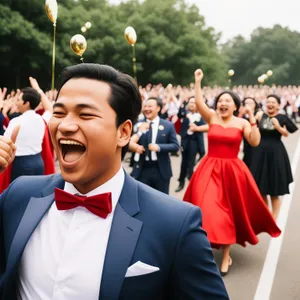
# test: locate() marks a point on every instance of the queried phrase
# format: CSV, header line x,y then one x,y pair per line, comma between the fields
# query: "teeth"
x,y
70,142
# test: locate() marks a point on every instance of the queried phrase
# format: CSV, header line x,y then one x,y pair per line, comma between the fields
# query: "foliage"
x,y
172,40
276,49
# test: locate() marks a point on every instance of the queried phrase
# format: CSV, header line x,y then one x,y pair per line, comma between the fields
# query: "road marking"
x,y
264,288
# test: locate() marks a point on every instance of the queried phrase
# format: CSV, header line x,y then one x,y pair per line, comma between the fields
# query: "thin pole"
x,y
134,63
53,56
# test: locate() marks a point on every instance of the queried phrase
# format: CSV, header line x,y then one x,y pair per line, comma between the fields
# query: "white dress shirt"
x,y
155,125
32,129
193,117
63,259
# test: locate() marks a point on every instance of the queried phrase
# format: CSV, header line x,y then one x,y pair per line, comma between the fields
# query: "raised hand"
x,y
34,84
8,149
193,127
275,123
198,75
144,126
153,147
3,93
248,110
140,149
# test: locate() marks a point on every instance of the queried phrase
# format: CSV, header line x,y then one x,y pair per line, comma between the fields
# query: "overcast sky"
x,y
233,17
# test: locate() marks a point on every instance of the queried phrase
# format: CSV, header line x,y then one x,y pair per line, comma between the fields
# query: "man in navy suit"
x,y
192,141
93,232
153,167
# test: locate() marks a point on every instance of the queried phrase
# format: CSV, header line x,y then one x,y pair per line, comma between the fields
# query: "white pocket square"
x,y
140,268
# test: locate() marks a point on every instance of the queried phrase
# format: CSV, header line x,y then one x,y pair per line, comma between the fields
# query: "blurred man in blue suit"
x,y
93,232
153,167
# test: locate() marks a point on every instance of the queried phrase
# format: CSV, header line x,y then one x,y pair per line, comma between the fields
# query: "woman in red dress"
x,y
222,186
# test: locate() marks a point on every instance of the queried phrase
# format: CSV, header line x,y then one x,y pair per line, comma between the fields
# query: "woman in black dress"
x,y
247,148
270,164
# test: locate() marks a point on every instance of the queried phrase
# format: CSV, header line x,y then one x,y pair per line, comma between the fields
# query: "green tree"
x,y
276,49
173,40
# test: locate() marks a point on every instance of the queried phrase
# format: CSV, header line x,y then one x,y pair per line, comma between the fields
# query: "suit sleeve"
x,y
202,122
2,258
181,113
172,145
196,275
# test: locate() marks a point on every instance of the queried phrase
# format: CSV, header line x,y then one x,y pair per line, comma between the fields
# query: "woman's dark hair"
x,y
125,97
234,96
32,96
276,97
257,106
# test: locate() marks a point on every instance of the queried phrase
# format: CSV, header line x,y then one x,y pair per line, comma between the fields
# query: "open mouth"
x,y
223,109
71,150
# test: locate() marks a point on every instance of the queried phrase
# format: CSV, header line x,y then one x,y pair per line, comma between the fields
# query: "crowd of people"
x,y
40,127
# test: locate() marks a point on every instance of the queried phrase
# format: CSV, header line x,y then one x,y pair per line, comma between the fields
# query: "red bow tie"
x,y
99,205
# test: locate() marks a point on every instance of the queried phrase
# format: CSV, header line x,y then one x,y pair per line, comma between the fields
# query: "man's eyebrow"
x,y
78,106
84,105
58,105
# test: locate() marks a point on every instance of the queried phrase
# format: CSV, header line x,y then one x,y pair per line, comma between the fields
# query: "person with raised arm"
x,y
93,232
222,185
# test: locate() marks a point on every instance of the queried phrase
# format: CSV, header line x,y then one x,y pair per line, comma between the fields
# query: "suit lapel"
x,y
160,131
35,210
122,242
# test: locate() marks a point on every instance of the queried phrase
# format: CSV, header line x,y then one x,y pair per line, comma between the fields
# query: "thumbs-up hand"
x,y
8,149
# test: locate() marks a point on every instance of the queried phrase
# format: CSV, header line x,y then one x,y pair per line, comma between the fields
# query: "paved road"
x,y
244,277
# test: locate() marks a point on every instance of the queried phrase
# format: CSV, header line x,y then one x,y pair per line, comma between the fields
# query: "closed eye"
x,y
87,115
58,113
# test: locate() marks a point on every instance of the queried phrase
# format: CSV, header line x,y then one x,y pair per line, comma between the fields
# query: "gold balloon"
x,y
78,44
88,25
130,35
270,73
51,10
230,73
260,79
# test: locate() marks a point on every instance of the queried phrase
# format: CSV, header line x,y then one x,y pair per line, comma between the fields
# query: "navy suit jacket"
x,y
148,226
167,141
184,128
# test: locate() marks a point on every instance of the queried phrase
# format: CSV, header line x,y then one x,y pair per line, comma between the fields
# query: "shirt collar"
x,y
154,121
28,112
113,185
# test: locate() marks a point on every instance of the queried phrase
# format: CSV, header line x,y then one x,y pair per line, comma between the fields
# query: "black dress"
x,y
270,164
247,149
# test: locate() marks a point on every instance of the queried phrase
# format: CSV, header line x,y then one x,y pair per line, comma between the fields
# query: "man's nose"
x,y
68,125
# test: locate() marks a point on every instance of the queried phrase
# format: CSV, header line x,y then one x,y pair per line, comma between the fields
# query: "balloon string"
x,y
82,59
53,56
134,63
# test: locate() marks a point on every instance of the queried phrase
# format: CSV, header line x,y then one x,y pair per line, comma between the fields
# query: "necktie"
x,y
149,141
99,205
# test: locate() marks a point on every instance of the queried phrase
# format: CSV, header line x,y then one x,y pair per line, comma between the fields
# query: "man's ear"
x,y
124,133
27,104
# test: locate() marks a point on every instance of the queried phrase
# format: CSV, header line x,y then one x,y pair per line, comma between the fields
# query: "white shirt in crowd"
x,y
32,129
193,117
173,107
155,124
65,255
